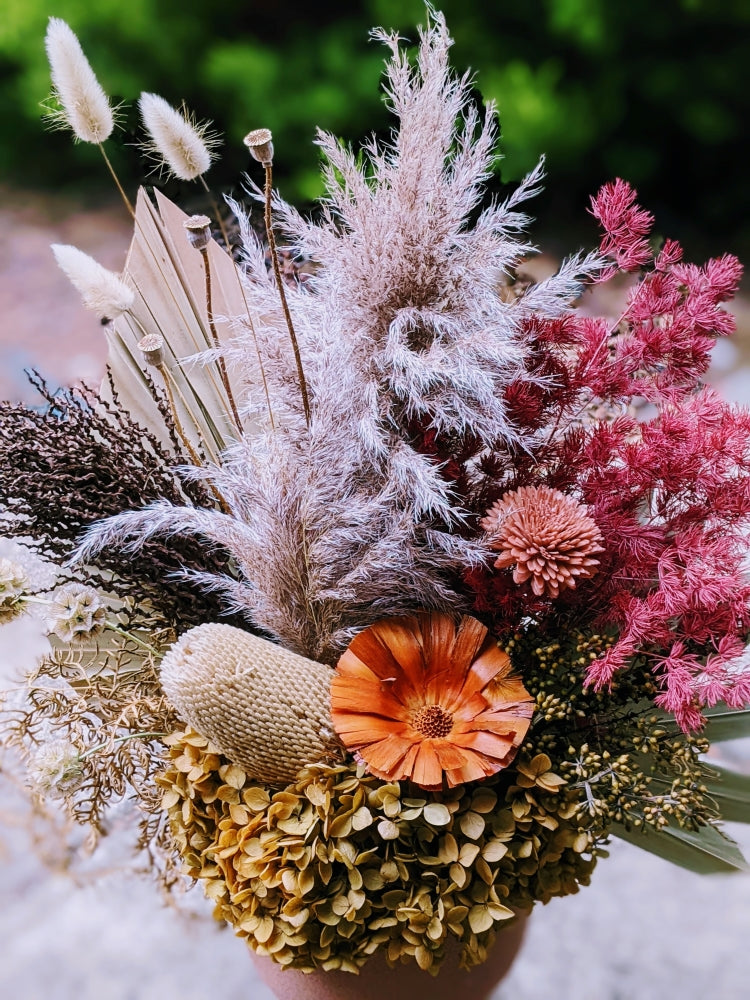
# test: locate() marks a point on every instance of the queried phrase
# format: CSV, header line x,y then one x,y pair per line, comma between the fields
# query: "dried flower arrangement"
x,y
420,583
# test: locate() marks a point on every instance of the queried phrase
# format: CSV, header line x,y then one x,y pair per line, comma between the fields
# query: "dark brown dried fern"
x,y
77,459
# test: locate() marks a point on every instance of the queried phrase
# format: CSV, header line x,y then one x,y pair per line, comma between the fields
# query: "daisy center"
x,y
432,721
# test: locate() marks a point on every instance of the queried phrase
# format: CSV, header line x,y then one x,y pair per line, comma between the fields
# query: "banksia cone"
x,y
264,708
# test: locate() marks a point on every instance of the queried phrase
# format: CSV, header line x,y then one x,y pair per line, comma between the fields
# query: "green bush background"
x,y
652,90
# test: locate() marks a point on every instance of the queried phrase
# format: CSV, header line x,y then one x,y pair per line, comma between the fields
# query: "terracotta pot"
x,y
406,982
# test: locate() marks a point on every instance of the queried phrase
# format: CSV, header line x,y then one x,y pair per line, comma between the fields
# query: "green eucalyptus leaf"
x,y
706,851
731,792
722,723
726,723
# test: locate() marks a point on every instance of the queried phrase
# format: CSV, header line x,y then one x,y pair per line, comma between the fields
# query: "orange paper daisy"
x,y
424,699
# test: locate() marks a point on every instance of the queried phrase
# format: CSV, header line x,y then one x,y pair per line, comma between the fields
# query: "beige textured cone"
x,y
265,708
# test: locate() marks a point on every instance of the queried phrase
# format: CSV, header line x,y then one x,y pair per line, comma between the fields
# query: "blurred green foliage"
x,y
652,90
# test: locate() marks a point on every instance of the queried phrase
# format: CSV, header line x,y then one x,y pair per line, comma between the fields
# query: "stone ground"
x,y
644,929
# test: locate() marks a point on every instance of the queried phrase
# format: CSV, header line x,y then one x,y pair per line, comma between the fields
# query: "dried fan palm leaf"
x,y
167,275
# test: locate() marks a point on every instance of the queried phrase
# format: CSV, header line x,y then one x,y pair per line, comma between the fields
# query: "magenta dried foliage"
x,y
670,492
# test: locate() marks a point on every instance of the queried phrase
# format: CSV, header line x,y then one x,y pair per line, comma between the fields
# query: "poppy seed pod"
x,y
152,348
198,229
260,145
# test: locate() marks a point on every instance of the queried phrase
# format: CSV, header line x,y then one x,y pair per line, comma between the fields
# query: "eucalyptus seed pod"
x,y
263,707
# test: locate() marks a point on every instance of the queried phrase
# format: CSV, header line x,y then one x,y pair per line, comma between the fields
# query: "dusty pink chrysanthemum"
x,y
547,536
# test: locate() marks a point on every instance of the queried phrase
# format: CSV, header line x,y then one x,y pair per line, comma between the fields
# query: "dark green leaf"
x,y
705,851
726,723
731,792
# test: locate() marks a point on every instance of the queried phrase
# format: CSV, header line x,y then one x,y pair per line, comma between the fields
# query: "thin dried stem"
x,y
194,457
217,213
119,740
257,351
132,637
282,296
116,179
247,306
217,342
205,444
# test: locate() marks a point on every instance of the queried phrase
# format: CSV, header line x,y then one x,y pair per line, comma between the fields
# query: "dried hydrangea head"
x,y
267,709
176,141
102,291
547,537
76,612
85,107
311,875
260,144
425,699
14,583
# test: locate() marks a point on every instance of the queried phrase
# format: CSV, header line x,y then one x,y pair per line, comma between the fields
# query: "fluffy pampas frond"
x,y
400,327
85,107
181,145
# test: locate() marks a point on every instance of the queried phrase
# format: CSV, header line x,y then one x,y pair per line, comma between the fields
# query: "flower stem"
x,y
116,179
133,638
164,371
204,443
217,213
282,296
194,456
119,739
217,343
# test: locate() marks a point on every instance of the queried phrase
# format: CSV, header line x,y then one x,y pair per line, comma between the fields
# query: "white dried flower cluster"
x,y
85,106
55,768
76,612
181,145
102,291
14,583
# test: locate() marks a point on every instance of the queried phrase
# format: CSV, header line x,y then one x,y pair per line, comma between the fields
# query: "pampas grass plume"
x,y
85,106
181,145
101,290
